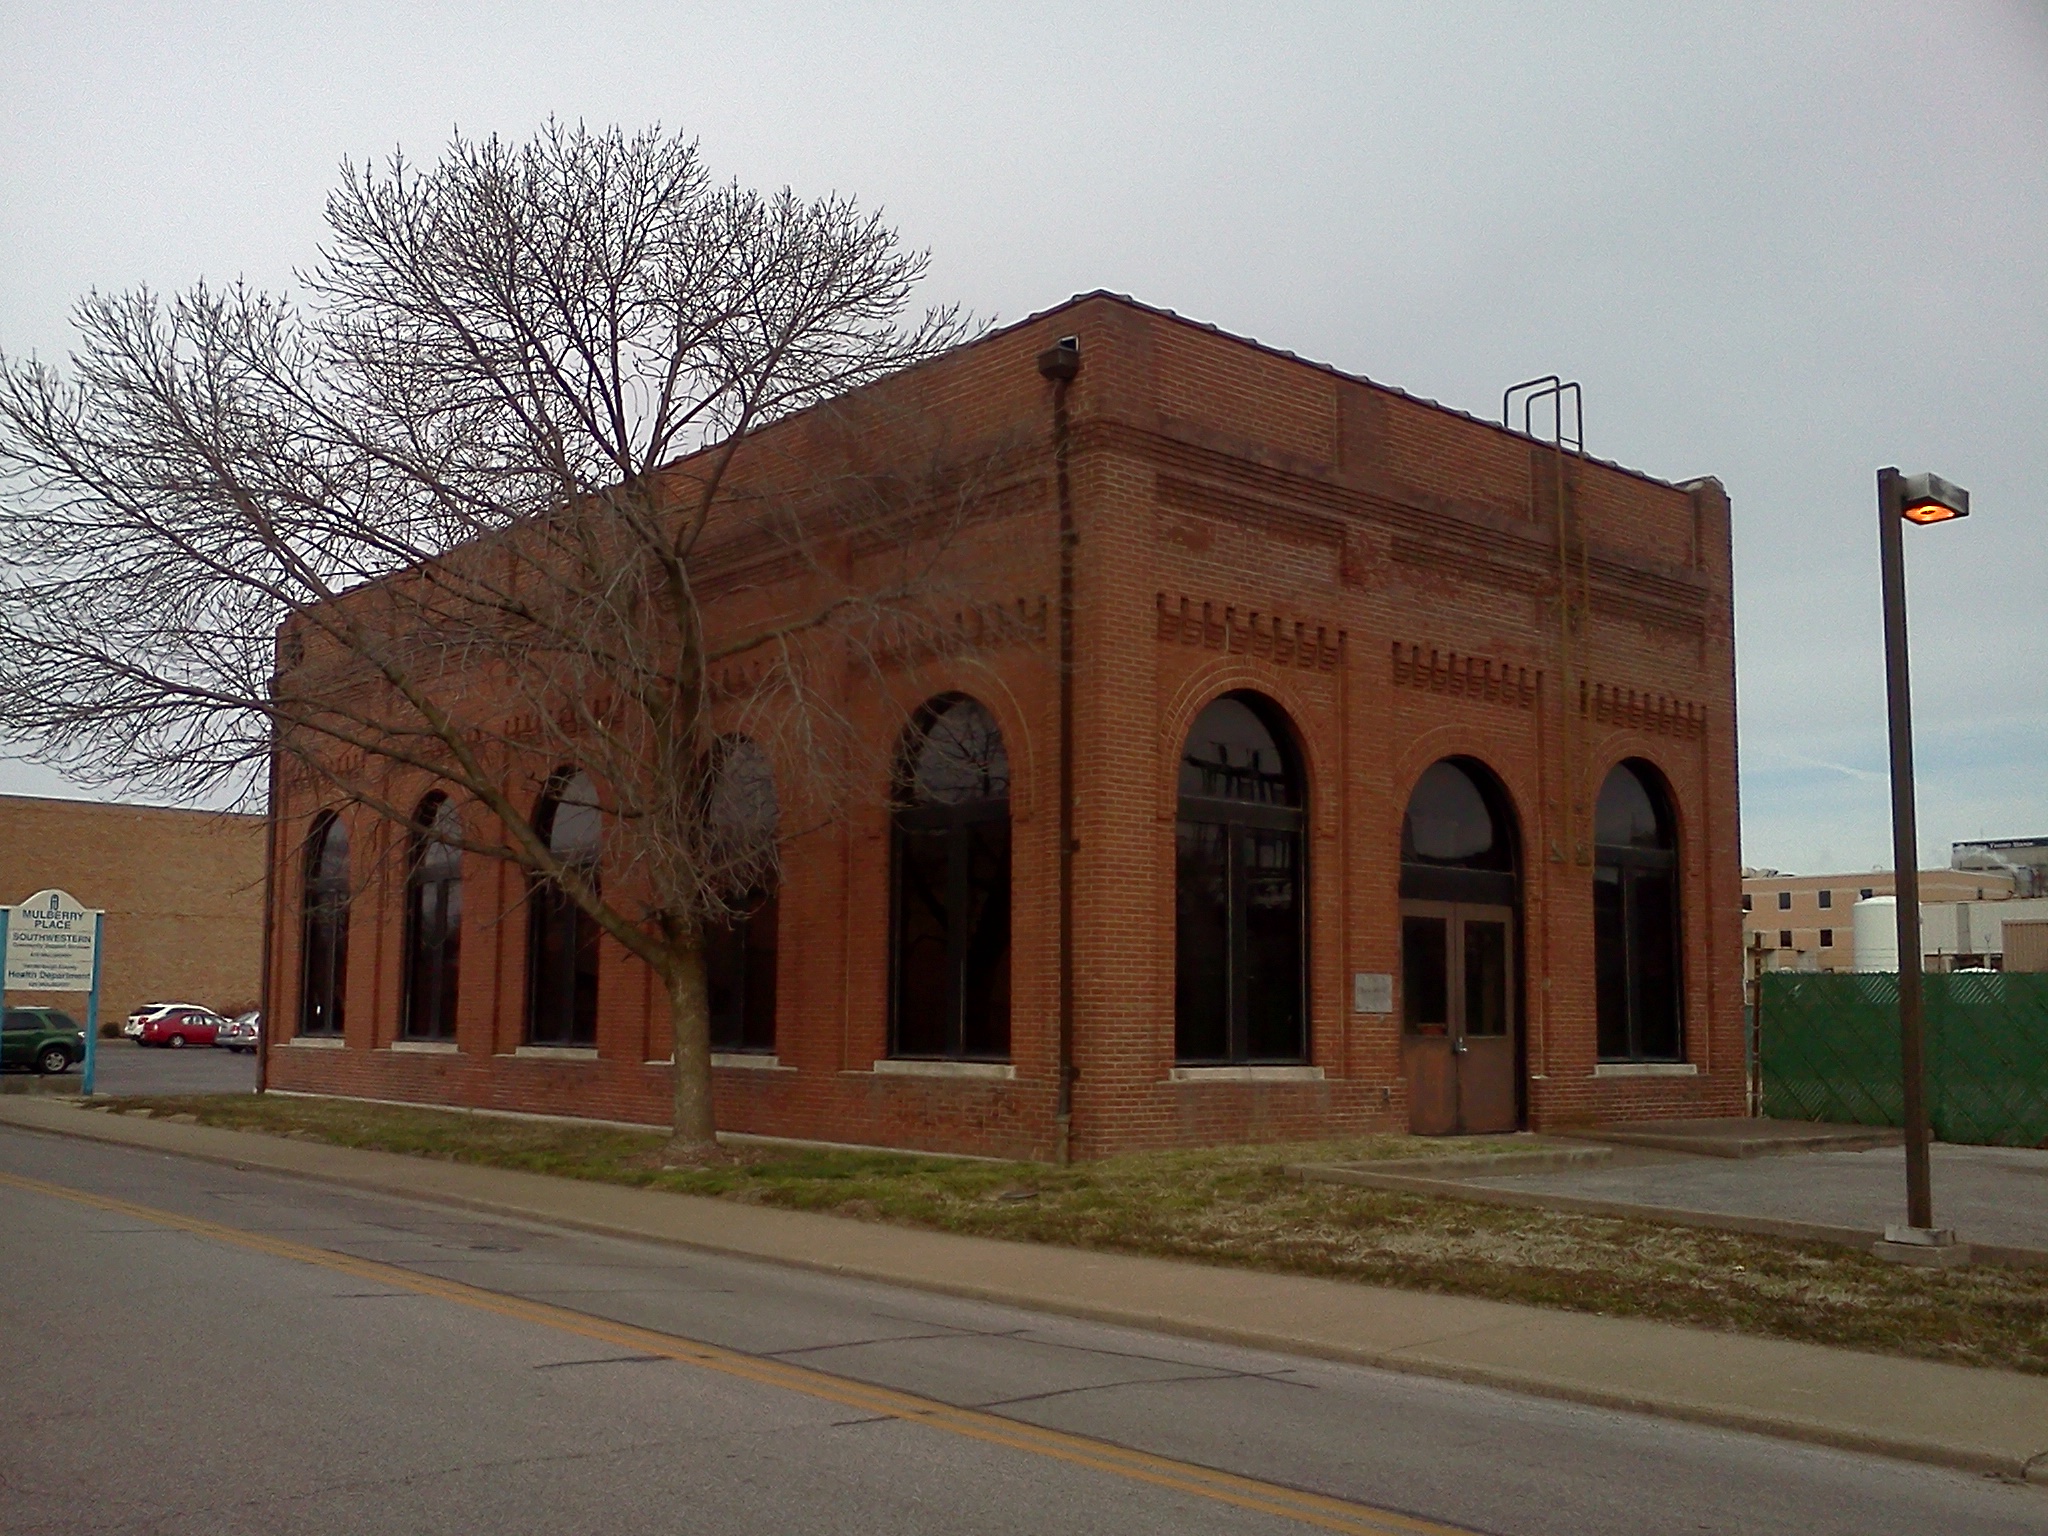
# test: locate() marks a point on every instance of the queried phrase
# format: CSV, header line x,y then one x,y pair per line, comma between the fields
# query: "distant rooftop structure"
x,y
2024,858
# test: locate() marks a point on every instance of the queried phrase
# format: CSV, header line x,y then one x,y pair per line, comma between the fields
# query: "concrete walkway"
x,y
1992,1196
1985,1420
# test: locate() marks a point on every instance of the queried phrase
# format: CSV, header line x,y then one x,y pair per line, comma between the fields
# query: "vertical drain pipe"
x,y
1059,364
266,1017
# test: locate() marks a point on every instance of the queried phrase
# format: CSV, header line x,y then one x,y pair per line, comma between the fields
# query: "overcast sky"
x,y
1783,245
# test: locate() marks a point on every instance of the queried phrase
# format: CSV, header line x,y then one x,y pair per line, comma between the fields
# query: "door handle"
x,y
1459,1047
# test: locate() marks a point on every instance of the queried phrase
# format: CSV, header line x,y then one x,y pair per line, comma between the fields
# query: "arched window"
x,y
323,928
561,943
951,883
1240,896
740,952
433,920
1460,997
1635,918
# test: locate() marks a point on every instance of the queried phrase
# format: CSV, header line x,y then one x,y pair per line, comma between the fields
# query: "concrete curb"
x,y
1969,1418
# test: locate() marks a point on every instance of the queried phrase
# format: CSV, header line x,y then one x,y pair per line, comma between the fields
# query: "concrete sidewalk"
x,y
1982,1420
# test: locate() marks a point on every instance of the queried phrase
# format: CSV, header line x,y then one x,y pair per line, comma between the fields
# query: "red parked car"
x,y
180,1027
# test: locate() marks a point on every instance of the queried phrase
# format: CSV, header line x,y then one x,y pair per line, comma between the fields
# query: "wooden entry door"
x,y
1458,993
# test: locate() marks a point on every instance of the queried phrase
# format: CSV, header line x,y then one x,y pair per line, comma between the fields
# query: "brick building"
x,y
182,890
1403,795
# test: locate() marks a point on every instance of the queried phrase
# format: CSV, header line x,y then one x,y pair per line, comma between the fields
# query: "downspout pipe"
x,y
1059,365
266,1018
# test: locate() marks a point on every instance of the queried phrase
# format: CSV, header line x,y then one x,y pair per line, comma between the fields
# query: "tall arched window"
x,y
1240,896
1460,994
323,928
952,887
740,952
1635,918
433,921
561,944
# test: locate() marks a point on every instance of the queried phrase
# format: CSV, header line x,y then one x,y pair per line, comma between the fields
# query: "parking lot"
x,y
123,1067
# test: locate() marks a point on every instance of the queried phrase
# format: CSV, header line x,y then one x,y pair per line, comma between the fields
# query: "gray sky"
x,y
1783,245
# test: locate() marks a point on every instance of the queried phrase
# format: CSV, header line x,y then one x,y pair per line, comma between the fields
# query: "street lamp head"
x,y
1931,499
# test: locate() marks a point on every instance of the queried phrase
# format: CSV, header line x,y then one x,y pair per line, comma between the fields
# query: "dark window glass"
x,y
739,972
1201,981
1449,822
1867,890
1784,901
1827,898
323,929
1827,938
1747,904
740,949
1636,945
951,895
561,951
1271,865
1425,969
1784,938
433,921
1486,977
1240,896
1610,962
1231,754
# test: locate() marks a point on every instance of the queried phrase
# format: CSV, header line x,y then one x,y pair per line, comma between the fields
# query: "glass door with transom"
x,y
1458,1017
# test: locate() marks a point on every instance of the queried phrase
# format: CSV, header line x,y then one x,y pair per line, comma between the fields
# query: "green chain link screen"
x,y
1830,1047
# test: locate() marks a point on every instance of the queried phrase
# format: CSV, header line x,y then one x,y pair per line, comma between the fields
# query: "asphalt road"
x,y
193,1348
123,1067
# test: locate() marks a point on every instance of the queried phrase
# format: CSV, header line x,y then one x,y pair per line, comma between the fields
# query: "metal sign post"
x,y
47,944
92,1005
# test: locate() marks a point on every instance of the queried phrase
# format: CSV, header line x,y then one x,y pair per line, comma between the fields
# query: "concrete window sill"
x,y
1246,1075
1647,1069
579,1053
985,1071
317,1043
425,1047
748,1061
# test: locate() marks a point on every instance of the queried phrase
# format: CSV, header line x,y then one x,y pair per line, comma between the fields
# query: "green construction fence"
x,y
1830,1051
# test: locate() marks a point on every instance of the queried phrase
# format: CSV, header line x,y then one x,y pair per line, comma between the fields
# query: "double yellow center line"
x,y
1186,1478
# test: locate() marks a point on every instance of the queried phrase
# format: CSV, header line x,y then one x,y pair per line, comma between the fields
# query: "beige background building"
x,y
1802,922
182,890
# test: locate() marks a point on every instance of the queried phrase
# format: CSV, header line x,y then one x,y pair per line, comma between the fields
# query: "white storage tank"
x,y
1875,922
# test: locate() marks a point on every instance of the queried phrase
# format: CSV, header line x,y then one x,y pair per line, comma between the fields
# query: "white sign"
x,y
49,944
1372,992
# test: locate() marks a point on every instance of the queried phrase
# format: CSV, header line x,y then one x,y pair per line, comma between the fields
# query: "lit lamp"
x,y
1905,499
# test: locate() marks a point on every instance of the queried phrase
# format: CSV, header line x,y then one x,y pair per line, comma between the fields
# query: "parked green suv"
x,y
47,1039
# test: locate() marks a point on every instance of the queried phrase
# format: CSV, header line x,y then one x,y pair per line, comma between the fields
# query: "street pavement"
x,y
123,1068
1993,1195
225,1350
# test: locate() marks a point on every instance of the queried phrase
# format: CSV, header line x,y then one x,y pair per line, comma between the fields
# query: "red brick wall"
x,y
1387,572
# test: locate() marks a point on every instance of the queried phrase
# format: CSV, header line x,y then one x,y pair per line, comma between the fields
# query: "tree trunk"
x,y
694,1135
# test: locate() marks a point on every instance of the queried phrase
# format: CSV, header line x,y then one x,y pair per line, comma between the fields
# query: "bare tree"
x,y
500,494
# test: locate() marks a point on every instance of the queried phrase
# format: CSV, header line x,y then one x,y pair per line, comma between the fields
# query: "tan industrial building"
x,y
182,890
1802,923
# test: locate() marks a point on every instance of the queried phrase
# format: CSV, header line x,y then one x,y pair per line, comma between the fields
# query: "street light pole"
x,y
1901,499
1891,504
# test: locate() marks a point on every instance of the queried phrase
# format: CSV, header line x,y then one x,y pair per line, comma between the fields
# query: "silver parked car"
x,y
240,1033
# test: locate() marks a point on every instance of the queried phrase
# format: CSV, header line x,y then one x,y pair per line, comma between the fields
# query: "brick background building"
x,y
182,890
1387,585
